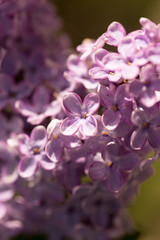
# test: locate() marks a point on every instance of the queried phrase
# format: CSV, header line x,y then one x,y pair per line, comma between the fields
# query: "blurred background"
x,y
89,19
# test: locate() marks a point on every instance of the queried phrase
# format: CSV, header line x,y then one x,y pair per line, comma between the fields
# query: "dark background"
x,y
90,18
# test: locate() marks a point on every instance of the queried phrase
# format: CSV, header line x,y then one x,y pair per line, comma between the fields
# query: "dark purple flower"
x,y
147,129
114,167
40,108
57,141
33,150
118,104
145,88
78,72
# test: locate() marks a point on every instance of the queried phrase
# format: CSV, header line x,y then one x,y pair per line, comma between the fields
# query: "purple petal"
x,y
140,59
6,82
99,56
70,141
38,137
138,139
148,98
72,103
54,127
139,117
135,87
114,61
106,96
88,126
130,71
96,144
6,192
25,108
114,76
127,161
97,171
127,48
115,180
155,120
141,41
110,151
27,166
9,65
121,94
9,172
122,130
45,162
154,137
153,54
4,100
111,119
116,32
53,108
75,65
3,210
36,119
41,98
98,73
70,126
24,145
5,153
91,103
126,111
54,150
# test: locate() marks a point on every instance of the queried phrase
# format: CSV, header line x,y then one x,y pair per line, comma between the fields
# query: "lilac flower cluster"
x,y
76,139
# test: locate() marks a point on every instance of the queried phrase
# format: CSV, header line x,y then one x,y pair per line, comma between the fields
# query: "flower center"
x,y
111,73
145,124
85,115
55,136
104,133
110,163
36,150
146,83
125,81
114,108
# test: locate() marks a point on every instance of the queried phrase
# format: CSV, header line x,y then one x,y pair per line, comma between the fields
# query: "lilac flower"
x,y
99,71
40,108
151,29
152,53
114,168
147,129
78,72
80,114
118,104
33,150
145,88
57,142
